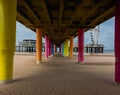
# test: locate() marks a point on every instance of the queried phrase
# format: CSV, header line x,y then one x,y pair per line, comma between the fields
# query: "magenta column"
x,y
54,48
117,40
46,46
80,45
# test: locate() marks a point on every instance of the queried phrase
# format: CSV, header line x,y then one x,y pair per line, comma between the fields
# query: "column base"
x,y
80,62
5,81
50,55
117,83
38,62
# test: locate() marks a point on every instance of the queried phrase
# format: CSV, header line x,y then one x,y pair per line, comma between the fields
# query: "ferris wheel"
x,y
94,36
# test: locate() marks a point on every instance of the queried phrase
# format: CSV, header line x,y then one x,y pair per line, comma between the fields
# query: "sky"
x,y
106,34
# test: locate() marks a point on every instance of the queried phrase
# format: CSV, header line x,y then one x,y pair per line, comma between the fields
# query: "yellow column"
x,y
38,45
7,38
67,50
71,46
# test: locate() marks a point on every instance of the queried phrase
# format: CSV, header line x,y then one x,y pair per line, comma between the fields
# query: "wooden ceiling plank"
x,y
46,13
61,11
31,11
95,8
75,13
26,20
108,12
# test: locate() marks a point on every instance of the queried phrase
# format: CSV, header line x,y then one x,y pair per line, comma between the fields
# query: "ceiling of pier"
x,y
61,19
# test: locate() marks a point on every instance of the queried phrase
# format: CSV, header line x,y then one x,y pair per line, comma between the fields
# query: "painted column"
x,y
46,46
7,38
49,51
80,45
52,48
117,40
60,48
71,46
55,48
63,49
67,48
38,45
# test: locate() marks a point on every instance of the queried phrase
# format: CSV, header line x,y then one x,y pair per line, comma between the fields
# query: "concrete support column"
x,y
80,45
46,46
7,38
117,41
38,45
71,46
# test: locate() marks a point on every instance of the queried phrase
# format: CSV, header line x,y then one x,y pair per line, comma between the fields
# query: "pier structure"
x,y
56,21
27,45
93,45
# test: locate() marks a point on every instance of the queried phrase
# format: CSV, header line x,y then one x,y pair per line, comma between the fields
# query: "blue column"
x,y
52,48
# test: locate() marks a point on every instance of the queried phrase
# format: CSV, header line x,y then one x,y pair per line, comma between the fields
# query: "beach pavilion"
x,y
57,21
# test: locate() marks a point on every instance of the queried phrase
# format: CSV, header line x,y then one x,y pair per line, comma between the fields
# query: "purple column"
x,y
52,48
80,45
49,47
117,40
46,46
60,48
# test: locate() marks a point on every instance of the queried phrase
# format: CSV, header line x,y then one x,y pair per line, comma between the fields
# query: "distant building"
x,y
27,45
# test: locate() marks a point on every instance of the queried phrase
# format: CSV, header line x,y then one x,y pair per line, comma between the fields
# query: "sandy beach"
x,y
58,75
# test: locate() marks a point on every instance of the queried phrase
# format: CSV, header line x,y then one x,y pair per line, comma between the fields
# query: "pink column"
x,y
80,45
117,40
46,46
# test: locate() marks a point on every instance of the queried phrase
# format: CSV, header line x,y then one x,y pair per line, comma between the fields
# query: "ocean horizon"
x,y
108,51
